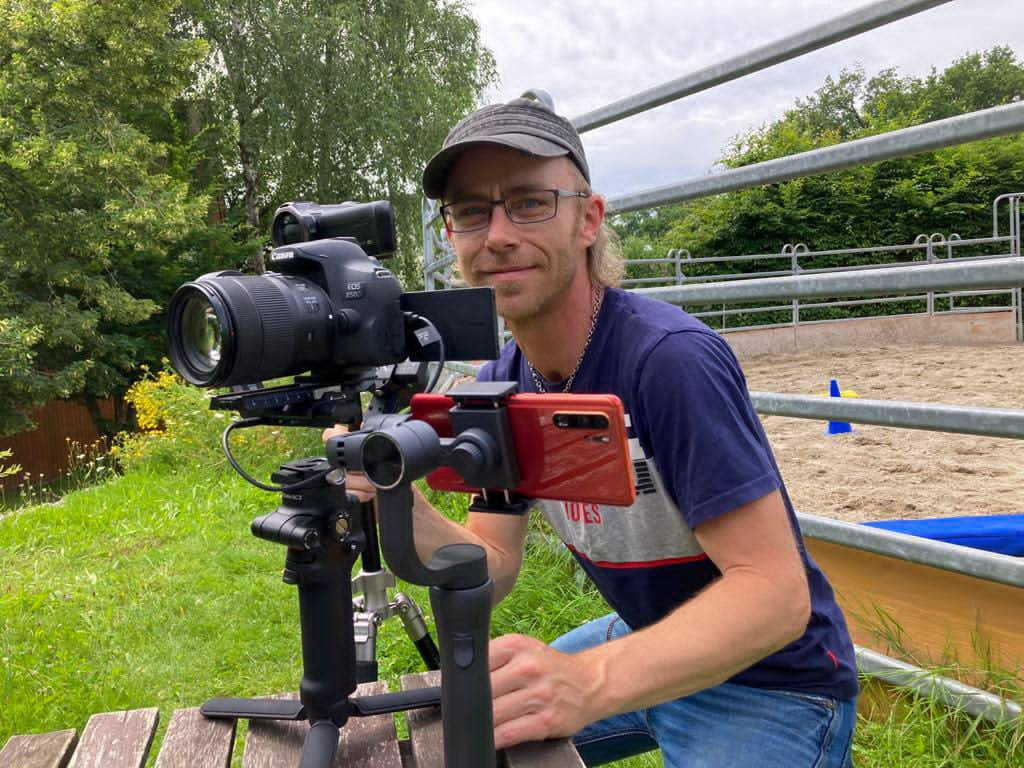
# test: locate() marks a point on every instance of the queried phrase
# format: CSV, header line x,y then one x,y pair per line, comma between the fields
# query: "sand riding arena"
x,y
878,473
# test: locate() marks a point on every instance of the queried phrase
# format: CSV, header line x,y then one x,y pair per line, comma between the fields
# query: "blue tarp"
x,y
993,533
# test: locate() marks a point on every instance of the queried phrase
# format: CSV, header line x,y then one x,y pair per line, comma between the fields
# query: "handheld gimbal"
x,y
326,530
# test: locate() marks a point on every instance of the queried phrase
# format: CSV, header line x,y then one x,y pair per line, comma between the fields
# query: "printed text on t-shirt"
x,y
577,511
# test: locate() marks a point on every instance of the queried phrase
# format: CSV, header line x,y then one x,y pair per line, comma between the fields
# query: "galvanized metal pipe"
x,y
952,693
938,554
983,124
840,28
993,273
736,276
958,419
840,252
725,259
955,260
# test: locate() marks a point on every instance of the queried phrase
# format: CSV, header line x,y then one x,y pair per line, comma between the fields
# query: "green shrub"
x,y
176,425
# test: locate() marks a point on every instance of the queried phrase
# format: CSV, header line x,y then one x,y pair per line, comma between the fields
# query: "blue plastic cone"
x,y
837,427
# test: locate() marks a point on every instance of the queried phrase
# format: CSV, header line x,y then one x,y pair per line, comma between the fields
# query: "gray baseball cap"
x,y
524,124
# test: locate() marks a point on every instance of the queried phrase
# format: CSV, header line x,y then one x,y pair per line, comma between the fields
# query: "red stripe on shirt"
x,y
642,564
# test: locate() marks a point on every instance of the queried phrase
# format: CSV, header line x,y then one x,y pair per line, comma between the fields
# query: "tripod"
x,y
371,607
324,535
325,532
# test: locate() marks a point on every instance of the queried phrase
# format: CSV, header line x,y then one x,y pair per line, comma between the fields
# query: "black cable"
x,y
255,422
437,339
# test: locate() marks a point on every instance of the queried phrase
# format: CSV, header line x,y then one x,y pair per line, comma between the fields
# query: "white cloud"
x,y
590,54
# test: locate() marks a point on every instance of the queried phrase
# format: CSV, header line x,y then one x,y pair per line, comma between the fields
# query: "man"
x,y
726,646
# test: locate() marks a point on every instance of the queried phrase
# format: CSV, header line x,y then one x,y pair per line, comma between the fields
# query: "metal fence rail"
x,y
848,25
952,693
1004,272
974,126
938,554
933,248
964,420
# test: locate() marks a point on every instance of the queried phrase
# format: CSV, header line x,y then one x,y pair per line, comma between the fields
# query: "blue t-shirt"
x,y
698,451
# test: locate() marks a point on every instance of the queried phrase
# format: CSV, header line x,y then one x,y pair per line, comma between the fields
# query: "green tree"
x,y
335,101
92,202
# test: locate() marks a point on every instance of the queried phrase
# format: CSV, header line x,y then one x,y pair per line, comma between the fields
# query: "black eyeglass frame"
x,y
503,202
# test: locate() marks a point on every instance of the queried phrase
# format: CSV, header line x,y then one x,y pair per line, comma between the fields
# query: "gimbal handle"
x,y
460,589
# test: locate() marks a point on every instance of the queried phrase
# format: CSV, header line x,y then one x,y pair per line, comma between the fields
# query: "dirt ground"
x,y
878,473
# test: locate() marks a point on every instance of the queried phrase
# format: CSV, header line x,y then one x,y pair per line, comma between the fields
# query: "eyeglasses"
x,y
531,207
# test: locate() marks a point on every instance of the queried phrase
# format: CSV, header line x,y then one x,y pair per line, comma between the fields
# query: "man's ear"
x,y
593,217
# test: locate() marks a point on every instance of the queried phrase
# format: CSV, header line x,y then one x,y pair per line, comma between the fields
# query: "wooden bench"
x,y
124,739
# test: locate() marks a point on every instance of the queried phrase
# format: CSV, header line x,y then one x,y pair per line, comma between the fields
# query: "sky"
x,y
589,54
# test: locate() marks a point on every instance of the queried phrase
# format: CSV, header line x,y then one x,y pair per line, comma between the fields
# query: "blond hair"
x,y
604,258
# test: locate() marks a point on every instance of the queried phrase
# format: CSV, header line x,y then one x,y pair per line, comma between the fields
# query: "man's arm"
x,y
760,603
501,536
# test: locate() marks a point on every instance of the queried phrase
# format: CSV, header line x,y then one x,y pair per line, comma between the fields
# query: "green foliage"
x,y
335,101
22,386
920,733
6,470
177,424
891,202
91,208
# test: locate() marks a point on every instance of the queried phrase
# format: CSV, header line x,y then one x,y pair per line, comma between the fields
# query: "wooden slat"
x,y
44,449
194,741
38,750
116,739
272,743
365,742
369,742
939,616
543,754
424,724
427,748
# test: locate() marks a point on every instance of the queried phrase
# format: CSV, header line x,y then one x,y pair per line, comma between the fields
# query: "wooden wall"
x,y
44,450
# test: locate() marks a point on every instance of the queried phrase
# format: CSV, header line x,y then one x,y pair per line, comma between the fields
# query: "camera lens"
x,y
581,421
201,333
228,328
287,229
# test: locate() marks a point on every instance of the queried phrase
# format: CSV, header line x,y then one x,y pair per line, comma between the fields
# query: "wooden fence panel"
x,y
44,449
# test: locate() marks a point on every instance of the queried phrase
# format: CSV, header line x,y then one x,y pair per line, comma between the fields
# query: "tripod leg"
x,y
416,629
254,709
321,745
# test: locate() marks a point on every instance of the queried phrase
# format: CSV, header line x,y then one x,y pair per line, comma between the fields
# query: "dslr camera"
x,y
331,310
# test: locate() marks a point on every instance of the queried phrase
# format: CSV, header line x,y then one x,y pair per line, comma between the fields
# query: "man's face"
x,y
531,266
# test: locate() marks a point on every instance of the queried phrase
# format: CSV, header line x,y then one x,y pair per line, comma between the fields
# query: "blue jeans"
x,y
728,725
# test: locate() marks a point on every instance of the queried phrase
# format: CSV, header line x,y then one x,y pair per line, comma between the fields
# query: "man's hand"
x,y
355,482
539,693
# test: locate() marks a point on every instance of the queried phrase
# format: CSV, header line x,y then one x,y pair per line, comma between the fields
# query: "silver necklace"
x,y
538,382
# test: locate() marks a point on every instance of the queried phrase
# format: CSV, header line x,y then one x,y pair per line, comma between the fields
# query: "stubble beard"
x,y
519,305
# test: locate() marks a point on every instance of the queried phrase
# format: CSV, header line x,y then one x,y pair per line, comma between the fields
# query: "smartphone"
x,y
569,447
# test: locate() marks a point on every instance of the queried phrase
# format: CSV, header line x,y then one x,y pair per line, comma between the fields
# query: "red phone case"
x,y
566,464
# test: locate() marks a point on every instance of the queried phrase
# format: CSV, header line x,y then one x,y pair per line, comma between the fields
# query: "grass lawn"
x,y
148,590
